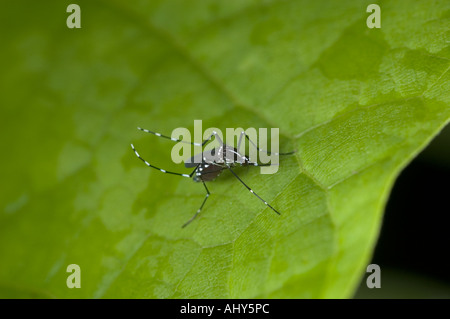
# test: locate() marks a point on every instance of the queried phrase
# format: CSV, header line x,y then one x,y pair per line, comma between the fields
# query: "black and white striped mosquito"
x,y
210,163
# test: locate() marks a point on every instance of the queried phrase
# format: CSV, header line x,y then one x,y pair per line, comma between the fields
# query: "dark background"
x,y
413,247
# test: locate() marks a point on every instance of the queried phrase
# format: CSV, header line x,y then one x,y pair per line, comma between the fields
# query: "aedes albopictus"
x,y
210,163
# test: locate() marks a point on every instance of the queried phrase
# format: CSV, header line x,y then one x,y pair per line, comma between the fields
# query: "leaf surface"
x,y
356,103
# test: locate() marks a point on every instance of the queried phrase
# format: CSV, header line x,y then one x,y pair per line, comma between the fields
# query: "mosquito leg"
x,y
251,191
160,169
168,137
178,140
240,140
257,164
200,209
260,150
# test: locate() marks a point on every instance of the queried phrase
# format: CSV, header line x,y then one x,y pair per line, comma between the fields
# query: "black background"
x,y
413,247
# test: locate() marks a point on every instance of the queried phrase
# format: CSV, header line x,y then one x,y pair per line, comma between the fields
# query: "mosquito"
x,y
209,164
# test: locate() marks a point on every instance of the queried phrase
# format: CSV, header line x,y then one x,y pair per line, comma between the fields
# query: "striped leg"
x,y
177,140
251,191
160,169
257,164
200,209
260,150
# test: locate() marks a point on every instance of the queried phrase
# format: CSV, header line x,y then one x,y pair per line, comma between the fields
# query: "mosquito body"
x,y
209,164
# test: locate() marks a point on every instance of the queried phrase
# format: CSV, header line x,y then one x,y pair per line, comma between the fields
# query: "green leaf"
x,y
357,103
